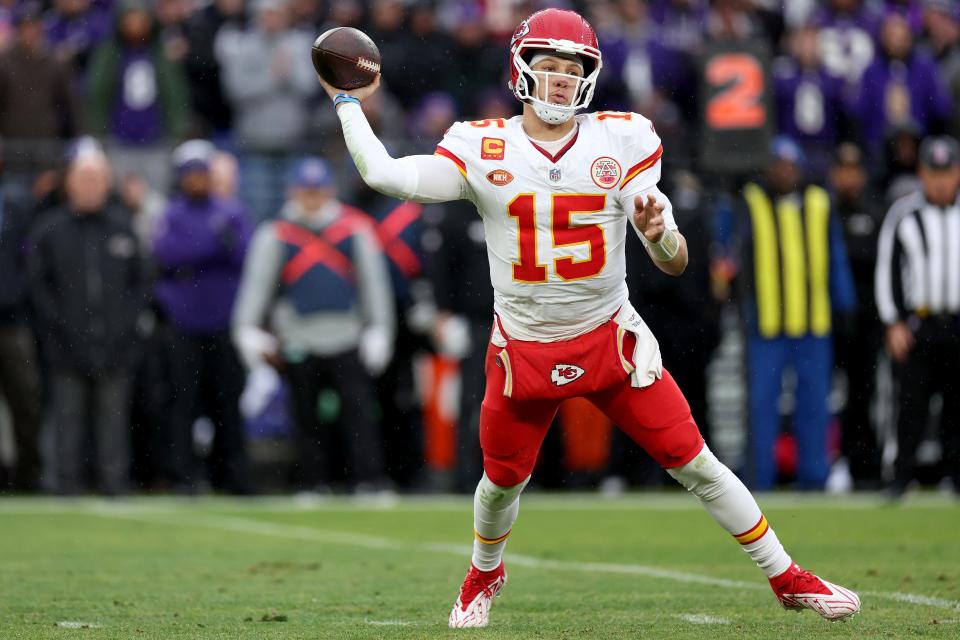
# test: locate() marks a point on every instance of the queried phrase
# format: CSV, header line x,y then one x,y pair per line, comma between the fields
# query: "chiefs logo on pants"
x,y
565,373
527,381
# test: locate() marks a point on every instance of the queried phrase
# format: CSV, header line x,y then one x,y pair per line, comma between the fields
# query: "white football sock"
x,y
732,505
494,512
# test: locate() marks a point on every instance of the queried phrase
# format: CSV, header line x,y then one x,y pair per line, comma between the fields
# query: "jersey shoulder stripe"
x,y
642,166
450,155
463,140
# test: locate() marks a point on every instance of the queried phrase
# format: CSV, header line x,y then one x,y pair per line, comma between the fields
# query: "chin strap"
x,y
551,115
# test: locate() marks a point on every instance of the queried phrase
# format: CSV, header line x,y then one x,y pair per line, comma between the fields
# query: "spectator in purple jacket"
x,y
909,10
75,27
200,246
137,96
679,23
847,32
902,84
810,104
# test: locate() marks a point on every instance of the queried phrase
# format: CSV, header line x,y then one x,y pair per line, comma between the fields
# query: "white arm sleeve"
x,y
418,178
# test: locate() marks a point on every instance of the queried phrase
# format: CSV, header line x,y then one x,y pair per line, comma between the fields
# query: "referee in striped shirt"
x,y
918,299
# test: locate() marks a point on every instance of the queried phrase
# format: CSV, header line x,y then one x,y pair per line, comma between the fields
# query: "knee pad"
x,y
703,476
505,472
497,498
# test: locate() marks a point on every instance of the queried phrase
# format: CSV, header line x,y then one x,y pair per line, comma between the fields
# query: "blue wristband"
x,y
340,98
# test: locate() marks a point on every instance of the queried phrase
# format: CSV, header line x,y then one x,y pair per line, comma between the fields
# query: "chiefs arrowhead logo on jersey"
x,y
605,172
500,177
565,374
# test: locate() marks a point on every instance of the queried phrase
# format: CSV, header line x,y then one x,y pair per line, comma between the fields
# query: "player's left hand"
x,y
648,217
360,94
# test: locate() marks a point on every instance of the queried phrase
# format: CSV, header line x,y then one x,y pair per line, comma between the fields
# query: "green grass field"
x,y
644,566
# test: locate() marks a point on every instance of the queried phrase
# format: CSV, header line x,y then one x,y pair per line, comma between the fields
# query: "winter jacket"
x,y
271,109
199,247
37,109
108,102
319,306
87,287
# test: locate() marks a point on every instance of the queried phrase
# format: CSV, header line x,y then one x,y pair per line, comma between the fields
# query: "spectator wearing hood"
x,y
137,96
200,244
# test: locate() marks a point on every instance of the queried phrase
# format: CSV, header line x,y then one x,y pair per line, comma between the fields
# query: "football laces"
x,y
368,65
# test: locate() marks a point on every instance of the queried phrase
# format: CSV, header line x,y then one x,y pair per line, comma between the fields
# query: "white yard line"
x,y
347,538
913,598
699,618
389,623
654,501
72,624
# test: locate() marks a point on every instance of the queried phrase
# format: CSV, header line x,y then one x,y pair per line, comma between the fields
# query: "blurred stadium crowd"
x,y
126,362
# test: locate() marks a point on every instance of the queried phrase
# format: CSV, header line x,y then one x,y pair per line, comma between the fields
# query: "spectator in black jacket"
x,y
858,339
86,282
18,371
210,106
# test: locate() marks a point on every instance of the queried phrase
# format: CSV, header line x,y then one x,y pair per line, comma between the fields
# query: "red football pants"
x,y
656,417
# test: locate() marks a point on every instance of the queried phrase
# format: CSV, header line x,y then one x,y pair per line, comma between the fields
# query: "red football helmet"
x,y
554,31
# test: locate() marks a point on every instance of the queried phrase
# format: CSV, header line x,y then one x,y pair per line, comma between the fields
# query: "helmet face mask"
x,y
554,31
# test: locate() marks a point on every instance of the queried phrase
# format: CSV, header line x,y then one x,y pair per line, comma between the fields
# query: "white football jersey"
x,y
556,225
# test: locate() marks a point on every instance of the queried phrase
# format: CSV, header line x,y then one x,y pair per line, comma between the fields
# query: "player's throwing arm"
x,y
348,66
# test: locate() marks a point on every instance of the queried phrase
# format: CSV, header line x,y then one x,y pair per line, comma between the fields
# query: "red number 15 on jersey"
x,y
564,206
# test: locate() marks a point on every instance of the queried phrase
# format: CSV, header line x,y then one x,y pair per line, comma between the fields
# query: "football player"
x,y
555,191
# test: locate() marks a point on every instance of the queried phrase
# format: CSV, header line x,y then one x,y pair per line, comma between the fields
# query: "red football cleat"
x,y
472,608
798,589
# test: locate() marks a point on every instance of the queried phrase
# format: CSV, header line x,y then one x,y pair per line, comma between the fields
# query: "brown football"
x,y
346,58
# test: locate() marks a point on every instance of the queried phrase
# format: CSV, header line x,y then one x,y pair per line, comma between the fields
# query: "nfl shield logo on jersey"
x,y
565,374
605,172
555,174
